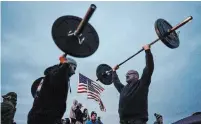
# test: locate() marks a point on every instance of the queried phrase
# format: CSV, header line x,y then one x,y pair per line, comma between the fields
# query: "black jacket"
x,y
133,102
79,115
7,112
50,105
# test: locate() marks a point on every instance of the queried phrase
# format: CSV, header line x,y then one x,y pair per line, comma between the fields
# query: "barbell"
x,y
75,36
165,32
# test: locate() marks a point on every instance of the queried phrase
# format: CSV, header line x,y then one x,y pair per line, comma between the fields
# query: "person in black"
x,y
50,99
99,121
79,115
133,102
8,108
86,115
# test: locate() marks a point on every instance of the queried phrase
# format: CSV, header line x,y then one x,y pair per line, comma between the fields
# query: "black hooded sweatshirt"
x,y
50,105
79,115
133,102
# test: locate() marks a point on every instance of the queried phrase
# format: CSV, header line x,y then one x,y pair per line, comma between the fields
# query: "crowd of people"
x,y
76,116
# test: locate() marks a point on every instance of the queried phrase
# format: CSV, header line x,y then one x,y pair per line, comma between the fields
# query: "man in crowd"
x,y
99,120
8,108
93,118
72,111
133,102
79,114
86,116
159,119
49,103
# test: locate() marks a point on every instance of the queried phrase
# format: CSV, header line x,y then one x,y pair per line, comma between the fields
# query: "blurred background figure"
x,y
195,118
99,120
93,118
8,108
159,119
88,118
72,111
66,121
79,115
85,116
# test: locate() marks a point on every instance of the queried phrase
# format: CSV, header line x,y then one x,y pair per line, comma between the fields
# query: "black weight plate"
x,y
105,79
35,86
162,27
70,44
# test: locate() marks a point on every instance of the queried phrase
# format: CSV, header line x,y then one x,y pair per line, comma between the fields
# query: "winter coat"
x,y
73,108
7,112
133,101
50,104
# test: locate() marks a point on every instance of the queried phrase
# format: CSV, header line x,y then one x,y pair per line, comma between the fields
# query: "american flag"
x,y
82,84
93,90
85,83
102,107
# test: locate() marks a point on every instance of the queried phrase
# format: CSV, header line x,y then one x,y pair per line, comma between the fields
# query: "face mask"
x,y
132,76
72,69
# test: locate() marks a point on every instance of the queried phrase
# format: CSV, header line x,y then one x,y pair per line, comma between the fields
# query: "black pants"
x,y
41,116
132,122
73,121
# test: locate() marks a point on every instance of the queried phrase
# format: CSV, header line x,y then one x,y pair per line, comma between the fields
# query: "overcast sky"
x,y
123,28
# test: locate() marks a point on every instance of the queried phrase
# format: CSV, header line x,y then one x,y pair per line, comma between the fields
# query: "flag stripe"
x,y
95,87
92,89
82,88
82,85
79,91
98,86
93,97
92,94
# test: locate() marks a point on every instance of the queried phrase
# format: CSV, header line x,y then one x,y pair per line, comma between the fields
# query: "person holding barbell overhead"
x,y
50,93
133,102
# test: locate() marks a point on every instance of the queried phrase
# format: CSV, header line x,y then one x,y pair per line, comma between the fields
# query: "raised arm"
x,y
61,73
115,79
149,68
58,74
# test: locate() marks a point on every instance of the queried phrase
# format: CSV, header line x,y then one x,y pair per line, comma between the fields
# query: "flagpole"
x,y
87,99
78,82
86,96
